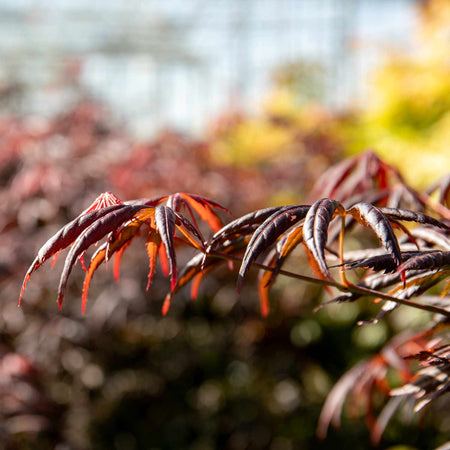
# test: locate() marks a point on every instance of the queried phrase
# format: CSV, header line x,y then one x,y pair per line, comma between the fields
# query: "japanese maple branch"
x,y
350,288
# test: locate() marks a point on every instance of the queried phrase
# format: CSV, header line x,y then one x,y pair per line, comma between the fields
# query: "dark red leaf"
x,y
187,228
370,216
267,233
98,230
427,260
244,225
65,237
380,262
315,229
412,216
165,225
114,246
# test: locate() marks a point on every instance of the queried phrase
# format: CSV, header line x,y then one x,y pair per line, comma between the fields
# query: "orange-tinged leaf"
x,y
446,289
186,227
115,246
204,211
165,225
267,233
288,245
55,257
264,283
166,304
196,284
102,201
97,231
65,237
194,268
96,260
163,260
117,259
152,246
145,214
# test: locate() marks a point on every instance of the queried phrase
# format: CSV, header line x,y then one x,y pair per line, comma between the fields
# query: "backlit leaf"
x,y
152,246
65,237
114,246
96,260
91,235
203,207
264,277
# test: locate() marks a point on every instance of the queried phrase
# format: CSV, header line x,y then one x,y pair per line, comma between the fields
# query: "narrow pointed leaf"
x,y
244,225
166,304
148,201
96,260
152,246
380,281
380,262
174,202
65,237
204,209
196,269
432,236
287,246
329,182
427,260
446,289
412,216
370,216
165,225
205,201
267,233
117,260
115,246
418,284
197,264
264,283
187,229
195,285
91,235
162,254
315,230
193,268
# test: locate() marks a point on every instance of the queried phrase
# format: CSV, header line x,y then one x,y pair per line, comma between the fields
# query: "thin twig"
x,y
327,282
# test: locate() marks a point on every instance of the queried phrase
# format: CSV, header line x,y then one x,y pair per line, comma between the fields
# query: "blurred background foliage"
x,y
213,374
406,117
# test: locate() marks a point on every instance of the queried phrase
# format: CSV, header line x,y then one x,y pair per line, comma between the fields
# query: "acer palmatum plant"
x,y
411,260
